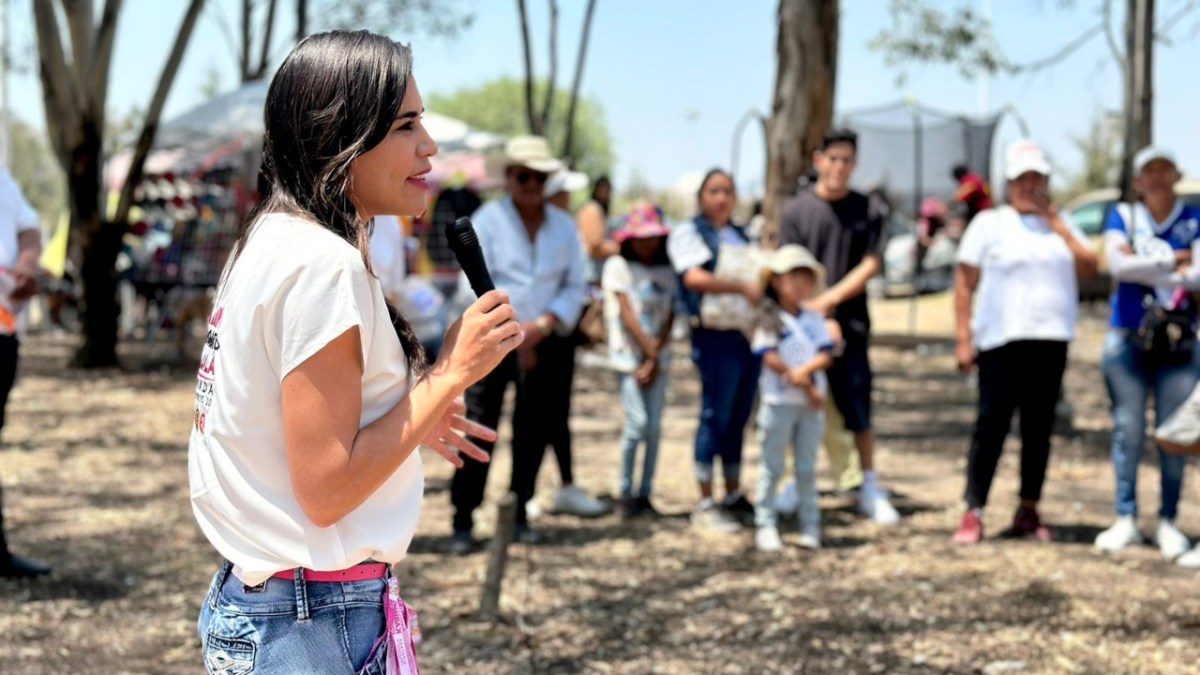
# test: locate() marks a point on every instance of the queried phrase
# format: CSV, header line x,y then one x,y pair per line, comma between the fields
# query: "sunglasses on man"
x,y
524,176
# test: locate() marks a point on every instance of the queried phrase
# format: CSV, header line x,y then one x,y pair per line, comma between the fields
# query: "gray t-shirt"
x,y
840,234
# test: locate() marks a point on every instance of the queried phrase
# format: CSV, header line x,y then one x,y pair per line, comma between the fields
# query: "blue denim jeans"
x,y
728,384
293,628
1130,380
643,423
801,428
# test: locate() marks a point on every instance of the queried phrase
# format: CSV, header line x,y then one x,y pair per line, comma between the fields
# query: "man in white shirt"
x,y
20,249
533,253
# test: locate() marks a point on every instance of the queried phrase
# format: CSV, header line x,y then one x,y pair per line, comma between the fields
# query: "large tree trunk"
x,y
1139,86
98,245
805,76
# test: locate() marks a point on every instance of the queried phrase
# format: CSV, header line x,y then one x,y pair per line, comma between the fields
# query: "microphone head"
x,y
461,234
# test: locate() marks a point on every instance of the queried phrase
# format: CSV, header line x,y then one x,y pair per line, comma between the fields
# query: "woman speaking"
x,y
309,411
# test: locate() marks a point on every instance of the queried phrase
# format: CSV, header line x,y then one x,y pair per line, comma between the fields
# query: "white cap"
x,y
1024,156
564,181
1149,154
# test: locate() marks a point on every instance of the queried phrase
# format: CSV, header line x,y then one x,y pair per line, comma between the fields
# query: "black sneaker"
x,y
527,535
20,568
462,543
645,508
739,507
625,508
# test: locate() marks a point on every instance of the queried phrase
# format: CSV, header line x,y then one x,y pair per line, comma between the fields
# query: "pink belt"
x,y
360,572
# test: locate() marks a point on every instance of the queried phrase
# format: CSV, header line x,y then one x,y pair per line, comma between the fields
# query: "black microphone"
x,y
460,235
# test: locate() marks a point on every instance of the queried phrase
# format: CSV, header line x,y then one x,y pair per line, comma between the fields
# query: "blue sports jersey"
x,y
1129,300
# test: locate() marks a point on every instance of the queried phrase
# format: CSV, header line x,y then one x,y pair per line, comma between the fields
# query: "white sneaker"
x,y
874,505
533,509
1171,542
810,538
767,539
572,500
1123,533
1191,559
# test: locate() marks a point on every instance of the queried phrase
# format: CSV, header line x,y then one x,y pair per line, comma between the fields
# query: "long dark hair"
x,y
601,182
334,98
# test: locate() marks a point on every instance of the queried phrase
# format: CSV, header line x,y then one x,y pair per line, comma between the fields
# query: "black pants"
x,y
8,375
539,418
1026,376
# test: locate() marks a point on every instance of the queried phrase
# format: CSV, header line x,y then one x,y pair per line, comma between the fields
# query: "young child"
x,y
639,297
796,347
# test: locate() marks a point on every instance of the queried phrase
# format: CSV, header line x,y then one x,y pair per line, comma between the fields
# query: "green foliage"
x,y
1101,151
499,106
33,166
921,34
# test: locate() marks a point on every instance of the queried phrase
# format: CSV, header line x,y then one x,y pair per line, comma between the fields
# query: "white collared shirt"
x,y
540,276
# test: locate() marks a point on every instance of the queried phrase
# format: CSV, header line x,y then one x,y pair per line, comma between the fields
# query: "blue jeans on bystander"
x,y
1130,381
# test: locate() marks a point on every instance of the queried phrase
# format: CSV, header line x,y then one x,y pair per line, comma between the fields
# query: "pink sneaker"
x,y
971,530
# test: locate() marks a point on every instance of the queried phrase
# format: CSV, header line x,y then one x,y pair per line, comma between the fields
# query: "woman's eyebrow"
x,y
410,114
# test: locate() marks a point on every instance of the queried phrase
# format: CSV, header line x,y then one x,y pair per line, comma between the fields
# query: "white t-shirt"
x,y
801,339
295,287
1027,285
651,293
16,216
415,297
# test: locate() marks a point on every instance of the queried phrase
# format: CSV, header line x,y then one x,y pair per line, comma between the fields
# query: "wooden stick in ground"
x,y
506,523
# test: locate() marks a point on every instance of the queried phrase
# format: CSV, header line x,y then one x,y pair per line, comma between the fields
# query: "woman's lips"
x,y
418,181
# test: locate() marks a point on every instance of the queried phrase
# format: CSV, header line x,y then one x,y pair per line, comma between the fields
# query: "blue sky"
x,y
652,62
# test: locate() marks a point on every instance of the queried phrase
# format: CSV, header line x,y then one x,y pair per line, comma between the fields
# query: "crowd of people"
x,y
788,329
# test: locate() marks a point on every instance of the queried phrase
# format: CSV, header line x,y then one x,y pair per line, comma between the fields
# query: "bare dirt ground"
x,y
94,469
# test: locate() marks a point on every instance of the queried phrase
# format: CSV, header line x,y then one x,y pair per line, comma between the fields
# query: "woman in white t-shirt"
x,y
303,465
1021,262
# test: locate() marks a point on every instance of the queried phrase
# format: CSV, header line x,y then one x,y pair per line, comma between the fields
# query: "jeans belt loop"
x,y
223,576
302,613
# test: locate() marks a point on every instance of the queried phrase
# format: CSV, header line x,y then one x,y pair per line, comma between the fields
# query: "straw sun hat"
x,y
793,257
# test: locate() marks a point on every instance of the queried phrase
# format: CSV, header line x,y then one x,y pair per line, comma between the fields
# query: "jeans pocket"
x,y
229,656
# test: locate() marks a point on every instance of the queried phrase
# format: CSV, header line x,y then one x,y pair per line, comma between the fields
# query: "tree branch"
x,y
569,141
247,11
529,114
549,102
1165,27
101,61
218,15
58,91
80,17
264,53
301,19
1109,36
154,112
1067,49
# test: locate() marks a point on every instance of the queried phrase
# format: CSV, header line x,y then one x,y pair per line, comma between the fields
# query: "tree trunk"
x,y
531,117
548,104
301,19
569,142
1139,87
99,243
805,77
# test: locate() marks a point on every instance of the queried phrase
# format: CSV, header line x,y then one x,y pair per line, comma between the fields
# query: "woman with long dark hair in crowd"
x,y
309,411
1019,263
721,350
1149,244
